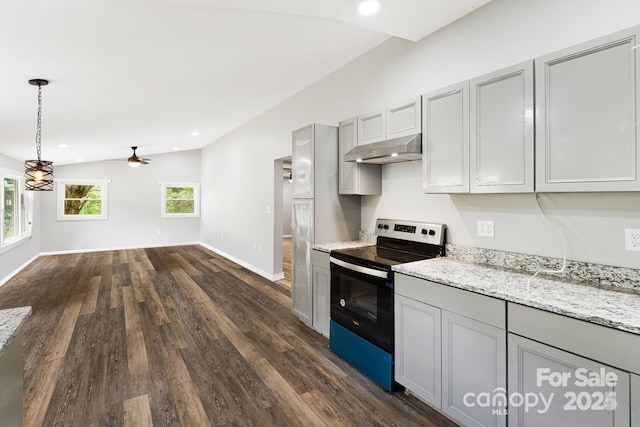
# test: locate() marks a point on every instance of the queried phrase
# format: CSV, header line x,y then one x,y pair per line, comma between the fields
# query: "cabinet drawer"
x,y
320,258
607,345
479,307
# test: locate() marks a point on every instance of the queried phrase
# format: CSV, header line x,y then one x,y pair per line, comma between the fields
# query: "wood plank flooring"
x,y
286,261
180,336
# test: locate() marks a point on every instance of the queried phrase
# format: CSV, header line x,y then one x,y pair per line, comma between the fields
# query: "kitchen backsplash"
x,y
605,275
366,236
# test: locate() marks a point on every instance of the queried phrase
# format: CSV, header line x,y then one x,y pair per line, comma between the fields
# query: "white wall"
x,y
16,257
502,33
134,206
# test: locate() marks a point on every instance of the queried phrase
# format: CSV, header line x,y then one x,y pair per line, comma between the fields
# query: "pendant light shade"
x,y
38,174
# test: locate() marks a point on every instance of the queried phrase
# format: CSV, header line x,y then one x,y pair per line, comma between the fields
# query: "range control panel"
x,y
424,232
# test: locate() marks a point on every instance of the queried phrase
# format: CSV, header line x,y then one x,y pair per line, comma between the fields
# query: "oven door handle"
x,y
359,269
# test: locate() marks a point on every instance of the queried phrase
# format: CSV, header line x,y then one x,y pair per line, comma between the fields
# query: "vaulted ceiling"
x,y
152,72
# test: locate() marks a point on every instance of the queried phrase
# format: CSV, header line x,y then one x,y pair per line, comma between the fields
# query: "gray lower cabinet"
x,y
418,348
588,100
448,359
321,285
473,366
551,387
445,140
635,400
583,369
11,382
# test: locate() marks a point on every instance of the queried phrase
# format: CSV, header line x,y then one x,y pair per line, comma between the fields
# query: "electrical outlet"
x,y
632,239
485,229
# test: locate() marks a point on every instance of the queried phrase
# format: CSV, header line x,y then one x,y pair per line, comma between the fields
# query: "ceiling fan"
x,y
135,161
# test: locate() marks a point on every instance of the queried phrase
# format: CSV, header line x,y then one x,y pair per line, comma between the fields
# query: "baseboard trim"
x,y
253,268
17,270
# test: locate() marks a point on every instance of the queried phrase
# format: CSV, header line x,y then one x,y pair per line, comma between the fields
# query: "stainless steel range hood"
x,y
390,151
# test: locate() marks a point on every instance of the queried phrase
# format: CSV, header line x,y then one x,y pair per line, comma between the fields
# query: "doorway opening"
x,y
282,219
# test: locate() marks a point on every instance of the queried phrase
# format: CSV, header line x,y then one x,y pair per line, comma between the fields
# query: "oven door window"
x,y
363,304
360,298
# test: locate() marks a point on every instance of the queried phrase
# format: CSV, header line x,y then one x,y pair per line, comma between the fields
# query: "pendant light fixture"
x,y
38,174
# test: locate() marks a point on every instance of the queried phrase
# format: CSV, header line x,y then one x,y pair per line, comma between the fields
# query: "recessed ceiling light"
x,y
78,160
175,148
195,133
63,146
368,7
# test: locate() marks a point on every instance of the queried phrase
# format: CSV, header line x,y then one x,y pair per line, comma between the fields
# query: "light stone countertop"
x,y
618,309
11,320
328,247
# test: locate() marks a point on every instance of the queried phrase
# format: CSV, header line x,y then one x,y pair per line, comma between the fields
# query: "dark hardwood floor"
x,y
180,336
286,261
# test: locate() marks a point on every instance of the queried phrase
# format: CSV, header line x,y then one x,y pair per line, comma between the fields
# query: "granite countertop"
x,y
618,309
11,320
328,247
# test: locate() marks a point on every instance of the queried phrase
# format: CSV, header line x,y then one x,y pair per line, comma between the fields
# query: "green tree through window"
x,y
82,199
10,202
179,200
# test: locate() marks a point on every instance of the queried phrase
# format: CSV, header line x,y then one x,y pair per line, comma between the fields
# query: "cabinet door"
x,y
404,119
541,373
445,148
356,178
371,128
348,171
302,162
321,299
501,131
418,348
301,242
474,361
635,400
587,103
11,381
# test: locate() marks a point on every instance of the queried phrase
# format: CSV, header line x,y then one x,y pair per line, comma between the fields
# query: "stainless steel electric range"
x,y
362,297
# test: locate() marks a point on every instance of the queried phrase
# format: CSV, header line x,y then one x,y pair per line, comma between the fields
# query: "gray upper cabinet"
x,y
587,103
355,178
404,119
501,131
371,128
445,145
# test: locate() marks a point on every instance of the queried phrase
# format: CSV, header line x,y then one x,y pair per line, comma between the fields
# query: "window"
x,y
16,209
180,200
82,199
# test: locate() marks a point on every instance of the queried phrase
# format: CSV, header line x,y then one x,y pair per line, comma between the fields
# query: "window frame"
x,y
60,196
163,200
25,205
